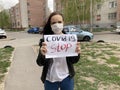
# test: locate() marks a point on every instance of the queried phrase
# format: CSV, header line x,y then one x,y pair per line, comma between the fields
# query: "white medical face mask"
x,y
57,28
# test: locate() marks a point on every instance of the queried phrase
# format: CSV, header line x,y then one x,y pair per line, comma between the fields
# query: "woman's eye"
x,y
56,22
53,22
59,21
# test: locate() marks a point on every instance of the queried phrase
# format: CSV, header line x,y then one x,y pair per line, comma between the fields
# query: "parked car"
x,y
3,33
118,29
81,34
34,30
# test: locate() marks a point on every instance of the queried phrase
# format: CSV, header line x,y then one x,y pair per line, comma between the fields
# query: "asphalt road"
x,y
18,39
107,36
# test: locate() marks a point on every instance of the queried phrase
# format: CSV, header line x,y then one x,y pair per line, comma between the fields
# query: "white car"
x,y
118,29
3,33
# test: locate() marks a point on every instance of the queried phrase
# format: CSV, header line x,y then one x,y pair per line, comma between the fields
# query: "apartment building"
x,y
28,13
105,14
16,17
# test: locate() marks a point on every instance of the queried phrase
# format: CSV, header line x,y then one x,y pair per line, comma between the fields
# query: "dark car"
x,y
81,34
34,30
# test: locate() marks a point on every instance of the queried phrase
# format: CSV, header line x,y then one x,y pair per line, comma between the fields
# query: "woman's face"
x,y
57,24
56,19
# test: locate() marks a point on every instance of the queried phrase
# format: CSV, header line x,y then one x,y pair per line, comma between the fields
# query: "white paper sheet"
x,y
60,45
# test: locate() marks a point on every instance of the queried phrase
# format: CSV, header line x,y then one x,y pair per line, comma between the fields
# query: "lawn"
x,y
5,55
99,67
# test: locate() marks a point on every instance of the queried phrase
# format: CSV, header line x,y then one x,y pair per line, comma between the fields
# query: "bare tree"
x,y
78,11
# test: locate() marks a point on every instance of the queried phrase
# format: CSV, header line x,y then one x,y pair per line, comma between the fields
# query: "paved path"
x,y
24,74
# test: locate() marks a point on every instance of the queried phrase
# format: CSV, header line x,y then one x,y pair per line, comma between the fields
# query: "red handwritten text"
x,y
60,47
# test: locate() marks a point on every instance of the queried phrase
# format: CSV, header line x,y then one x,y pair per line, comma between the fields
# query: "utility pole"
x,y
75,2
91,16
83,6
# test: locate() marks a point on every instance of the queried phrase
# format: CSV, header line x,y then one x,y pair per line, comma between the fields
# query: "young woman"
x,y
57,72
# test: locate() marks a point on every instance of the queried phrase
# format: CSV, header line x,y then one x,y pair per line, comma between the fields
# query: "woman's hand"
x,y
43,48
78,49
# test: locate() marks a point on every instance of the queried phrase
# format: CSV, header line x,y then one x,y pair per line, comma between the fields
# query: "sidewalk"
x,y
24,74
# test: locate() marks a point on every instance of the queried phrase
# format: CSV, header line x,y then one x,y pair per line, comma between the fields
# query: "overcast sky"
x,y
8,3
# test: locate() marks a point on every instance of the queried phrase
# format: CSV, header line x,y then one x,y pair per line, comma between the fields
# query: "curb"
x,y
8,39
35,49
6,74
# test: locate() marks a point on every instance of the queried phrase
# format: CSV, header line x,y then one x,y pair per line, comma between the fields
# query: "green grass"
x,y
5,54
113,60
93,75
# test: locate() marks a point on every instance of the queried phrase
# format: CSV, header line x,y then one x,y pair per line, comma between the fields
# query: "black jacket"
x,y
42,61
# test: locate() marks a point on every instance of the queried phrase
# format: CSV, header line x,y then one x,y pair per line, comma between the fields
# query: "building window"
x,y
99,6
29,26
113,4
28,11
98,17
29,19
112,16
18,23
13,24
28,4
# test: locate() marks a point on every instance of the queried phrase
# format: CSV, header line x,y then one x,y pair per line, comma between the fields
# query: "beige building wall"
x,y
47,11
118,12
15,16
102,17
18,15
22,11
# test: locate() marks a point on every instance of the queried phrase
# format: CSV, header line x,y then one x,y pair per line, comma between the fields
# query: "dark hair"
x,y
47,28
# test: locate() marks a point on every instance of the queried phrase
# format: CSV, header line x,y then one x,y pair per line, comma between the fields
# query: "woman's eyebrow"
x,y
56,22
53,22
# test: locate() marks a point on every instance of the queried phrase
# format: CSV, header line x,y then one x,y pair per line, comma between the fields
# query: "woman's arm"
x,y
74,59
41,57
